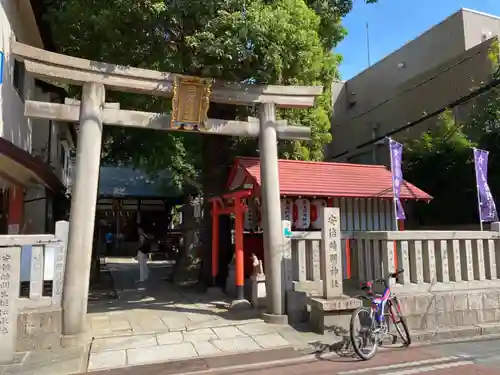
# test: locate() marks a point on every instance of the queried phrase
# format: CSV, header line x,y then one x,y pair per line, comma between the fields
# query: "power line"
x,y
421,83
480,91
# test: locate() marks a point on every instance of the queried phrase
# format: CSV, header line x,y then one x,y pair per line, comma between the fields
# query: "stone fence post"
x,y
62,232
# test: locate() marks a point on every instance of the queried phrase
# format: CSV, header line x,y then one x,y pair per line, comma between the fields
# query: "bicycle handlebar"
x,y
384,280
391,276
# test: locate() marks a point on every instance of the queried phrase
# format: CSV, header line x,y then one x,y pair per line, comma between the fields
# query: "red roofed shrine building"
x,y
362,192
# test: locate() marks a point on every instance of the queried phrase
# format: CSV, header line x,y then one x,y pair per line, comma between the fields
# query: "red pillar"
x,y
215,240
16,205
238,244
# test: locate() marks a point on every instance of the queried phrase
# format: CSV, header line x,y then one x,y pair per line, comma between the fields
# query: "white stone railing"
x,y
305,260
432,260
27,262
312,261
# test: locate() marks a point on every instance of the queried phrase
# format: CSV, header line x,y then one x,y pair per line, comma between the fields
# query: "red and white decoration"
x,y
302,214
317,213
287,209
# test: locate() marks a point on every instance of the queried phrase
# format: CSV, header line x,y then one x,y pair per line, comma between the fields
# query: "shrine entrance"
x,y
191,97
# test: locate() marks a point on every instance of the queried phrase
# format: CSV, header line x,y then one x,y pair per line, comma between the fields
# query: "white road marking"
x,y
420,370
403,365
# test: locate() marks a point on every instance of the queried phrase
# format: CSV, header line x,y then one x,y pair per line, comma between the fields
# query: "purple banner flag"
x,y
487,208
396,150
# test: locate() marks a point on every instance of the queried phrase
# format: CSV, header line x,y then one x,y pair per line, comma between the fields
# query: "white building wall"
x,y
16,21
479,27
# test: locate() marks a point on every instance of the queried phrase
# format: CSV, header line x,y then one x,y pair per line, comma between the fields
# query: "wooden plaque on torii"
x,y
190,103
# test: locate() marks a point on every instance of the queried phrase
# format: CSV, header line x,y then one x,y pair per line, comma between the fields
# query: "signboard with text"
x,y
190,103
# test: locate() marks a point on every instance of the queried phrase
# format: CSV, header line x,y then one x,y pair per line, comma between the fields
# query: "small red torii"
x,y
230,203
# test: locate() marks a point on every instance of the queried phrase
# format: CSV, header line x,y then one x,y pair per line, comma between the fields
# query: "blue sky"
x,y
392,23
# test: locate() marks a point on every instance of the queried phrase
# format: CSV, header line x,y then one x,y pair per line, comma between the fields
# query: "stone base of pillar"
x,y
296,307
275,318
258,286
240,304
332,313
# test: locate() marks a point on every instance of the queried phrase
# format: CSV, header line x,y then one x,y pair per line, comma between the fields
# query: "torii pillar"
x,y
82,215
271,213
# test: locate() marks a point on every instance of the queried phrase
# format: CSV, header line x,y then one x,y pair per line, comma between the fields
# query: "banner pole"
x,y
394,203
477,190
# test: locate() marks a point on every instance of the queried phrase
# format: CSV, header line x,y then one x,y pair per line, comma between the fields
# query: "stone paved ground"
x,y
158,322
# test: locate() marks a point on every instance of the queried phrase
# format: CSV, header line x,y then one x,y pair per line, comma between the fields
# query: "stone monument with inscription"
x,y
334,308
9,291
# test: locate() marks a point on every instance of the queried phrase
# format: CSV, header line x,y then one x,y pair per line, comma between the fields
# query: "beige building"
x,y
437,69
34,154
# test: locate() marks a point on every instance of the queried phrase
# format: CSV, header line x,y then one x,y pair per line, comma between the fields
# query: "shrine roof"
x,y
324,179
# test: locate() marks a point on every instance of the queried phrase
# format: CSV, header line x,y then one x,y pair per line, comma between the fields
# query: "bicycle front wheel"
x,y
363,337
399,321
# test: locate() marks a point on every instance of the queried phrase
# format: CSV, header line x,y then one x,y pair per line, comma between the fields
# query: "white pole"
x,y
394,202
477,190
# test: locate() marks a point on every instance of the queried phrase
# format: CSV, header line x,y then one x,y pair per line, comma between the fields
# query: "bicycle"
x,y
382,306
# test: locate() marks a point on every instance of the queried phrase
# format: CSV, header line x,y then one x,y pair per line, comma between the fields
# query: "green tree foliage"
x,y
285,42
262,41
441,163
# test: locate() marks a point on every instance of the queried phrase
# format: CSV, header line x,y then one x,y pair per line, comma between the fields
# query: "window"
x,y
19,74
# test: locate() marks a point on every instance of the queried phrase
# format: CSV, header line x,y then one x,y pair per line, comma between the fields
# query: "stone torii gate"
x,y
191,97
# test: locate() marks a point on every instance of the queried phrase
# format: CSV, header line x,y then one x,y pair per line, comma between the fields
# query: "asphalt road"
x,y
458,359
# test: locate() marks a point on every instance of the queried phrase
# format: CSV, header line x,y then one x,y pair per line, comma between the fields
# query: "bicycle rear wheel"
x,y
362,333
399,321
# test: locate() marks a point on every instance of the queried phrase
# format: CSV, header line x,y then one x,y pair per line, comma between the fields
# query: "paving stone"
x,y
120,325
123,342
269,341
200,317
236,345
107,359
153,324
228,332
261,328
102,332
213,323
198,335
161,353
169,338
100,324
175,324
205,348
